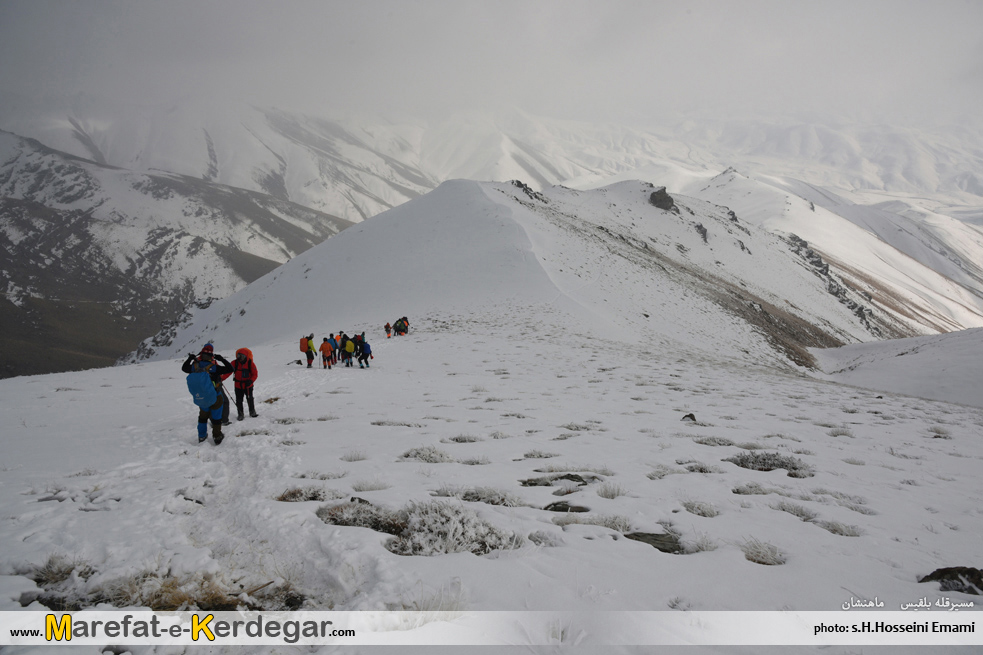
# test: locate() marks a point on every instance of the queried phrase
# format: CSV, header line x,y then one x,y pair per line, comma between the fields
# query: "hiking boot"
x,y
226,421
240,417
217,437
254,414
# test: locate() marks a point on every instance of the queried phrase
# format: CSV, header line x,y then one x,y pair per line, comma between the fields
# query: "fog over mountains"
x,y
190,201
357,167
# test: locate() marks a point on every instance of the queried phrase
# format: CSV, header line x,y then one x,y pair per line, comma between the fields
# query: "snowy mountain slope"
x,y
892,279
948,246
683,274
495,408
107,251
939,367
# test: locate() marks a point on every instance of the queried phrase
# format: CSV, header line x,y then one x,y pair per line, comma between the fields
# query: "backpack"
x,y
202,388
303,344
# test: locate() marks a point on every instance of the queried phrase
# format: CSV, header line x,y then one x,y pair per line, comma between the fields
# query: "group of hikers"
x,y
207,370
400,326
334,348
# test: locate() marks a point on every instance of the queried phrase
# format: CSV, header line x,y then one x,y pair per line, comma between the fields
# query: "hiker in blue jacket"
x,y
334,349
364,353
206,361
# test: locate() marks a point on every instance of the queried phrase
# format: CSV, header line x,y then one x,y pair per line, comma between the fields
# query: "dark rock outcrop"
x,y
564,506
667,543
963,579
663,200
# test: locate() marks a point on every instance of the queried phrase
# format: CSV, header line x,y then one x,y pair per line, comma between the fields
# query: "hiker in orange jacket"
x,y
327,352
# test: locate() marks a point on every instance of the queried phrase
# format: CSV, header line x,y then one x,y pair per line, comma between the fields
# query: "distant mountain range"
x,y
143,212
356,168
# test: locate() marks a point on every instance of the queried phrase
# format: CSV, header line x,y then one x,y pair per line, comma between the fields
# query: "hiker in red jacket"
x,y
246,374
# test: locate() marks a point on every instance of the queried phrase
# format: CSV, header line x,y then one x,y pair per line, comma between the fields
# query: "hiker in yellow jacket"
x,y
307,347
349,351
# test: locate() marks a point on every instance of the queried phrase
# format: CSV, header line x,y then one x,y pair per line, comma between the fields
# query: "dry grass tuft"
x,y
611,490
713,441
799,511
840,529
369,485
700,508
761,552
299,495
770,461
616,523
354,456
428,454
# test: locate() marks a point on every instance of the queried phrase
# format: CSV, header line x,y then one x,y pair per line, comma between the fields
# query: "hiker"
x,y
365,354
389,329
401,326
245,376
307,347
334,349
327,352
205,362
349,351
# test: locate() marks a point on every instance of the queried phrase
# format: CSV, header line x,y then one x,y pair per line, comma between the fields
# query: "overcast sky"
x,y
598,60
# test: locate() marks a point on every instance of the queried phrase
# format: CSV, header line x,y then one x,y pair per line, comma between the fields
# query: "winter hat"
x,y
208,348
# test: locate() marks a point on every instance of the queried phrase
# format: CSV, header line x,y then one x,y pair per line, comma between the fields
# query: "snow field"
x,y
145,497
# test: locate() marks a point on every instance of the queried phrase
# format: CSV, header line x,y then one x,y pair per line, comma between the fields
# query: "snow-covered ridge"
x,y
628,261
